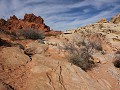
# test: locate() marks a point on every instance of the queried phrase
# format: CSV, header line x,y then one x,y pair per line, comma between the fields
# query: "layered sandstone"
x,y
30,21
43,64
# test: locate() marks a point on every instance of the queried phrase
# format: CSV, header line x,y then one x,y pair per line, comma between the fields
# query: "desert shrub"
x,y
31,34
80,49
83,59
80,52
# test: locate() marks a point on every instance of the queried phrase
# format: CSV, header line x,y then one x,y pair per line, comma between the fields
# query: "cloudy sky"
x,y
62,14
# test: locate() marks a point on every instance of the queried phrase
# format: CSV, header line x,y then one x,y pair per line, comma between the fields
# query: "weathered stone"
x,y
115,19
35,48
30,21
13,57
103,20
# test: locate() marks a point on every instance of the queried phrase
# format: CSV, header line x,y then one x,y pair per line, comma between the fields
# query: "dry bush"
x,y
83,59
80,51
31,34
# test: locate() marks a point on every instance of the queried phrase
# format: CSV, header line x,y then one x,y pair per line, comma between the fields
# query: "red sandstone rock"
x,y
13,24
33,18
103,20
2,22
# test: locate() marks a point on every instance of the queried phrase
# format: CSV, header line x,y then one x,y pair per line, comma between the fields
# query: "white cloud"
x,y
55,15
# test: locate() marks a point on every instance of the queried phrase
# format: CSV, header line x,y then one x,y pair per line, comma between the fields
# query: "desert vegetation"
x,y
30,34
26,34
80,50
84,58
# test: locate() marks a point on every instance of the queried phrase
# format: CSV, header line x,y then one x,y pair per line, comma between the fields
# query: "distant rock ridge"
x,y
115,19
103,20
14,24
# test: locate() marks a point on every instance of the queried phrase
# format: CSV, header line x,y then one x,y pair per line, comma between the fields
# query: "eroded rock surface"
x,y
116,19
30,21
43,73
43,65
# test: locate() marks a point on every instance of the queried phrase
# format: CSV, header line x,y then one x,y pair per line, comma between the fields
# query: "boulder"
x,y
35,48
12,57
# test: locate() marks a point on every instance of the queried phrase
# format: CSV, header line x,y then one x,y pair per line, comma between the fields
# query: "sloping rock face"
x,y
13,70
17,72
115,19
109,34
42,66
14,24
50,74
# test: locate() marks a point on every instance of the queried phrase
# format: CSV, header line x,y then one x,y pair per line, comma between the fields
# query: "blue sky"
x,y
62,14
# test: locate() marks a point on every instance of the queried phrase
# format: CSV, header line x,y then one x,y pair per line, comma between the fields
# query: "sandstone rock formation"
x,y
35,48
103,20
115,19
33,18
43,65
110,34
30,21
43,73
